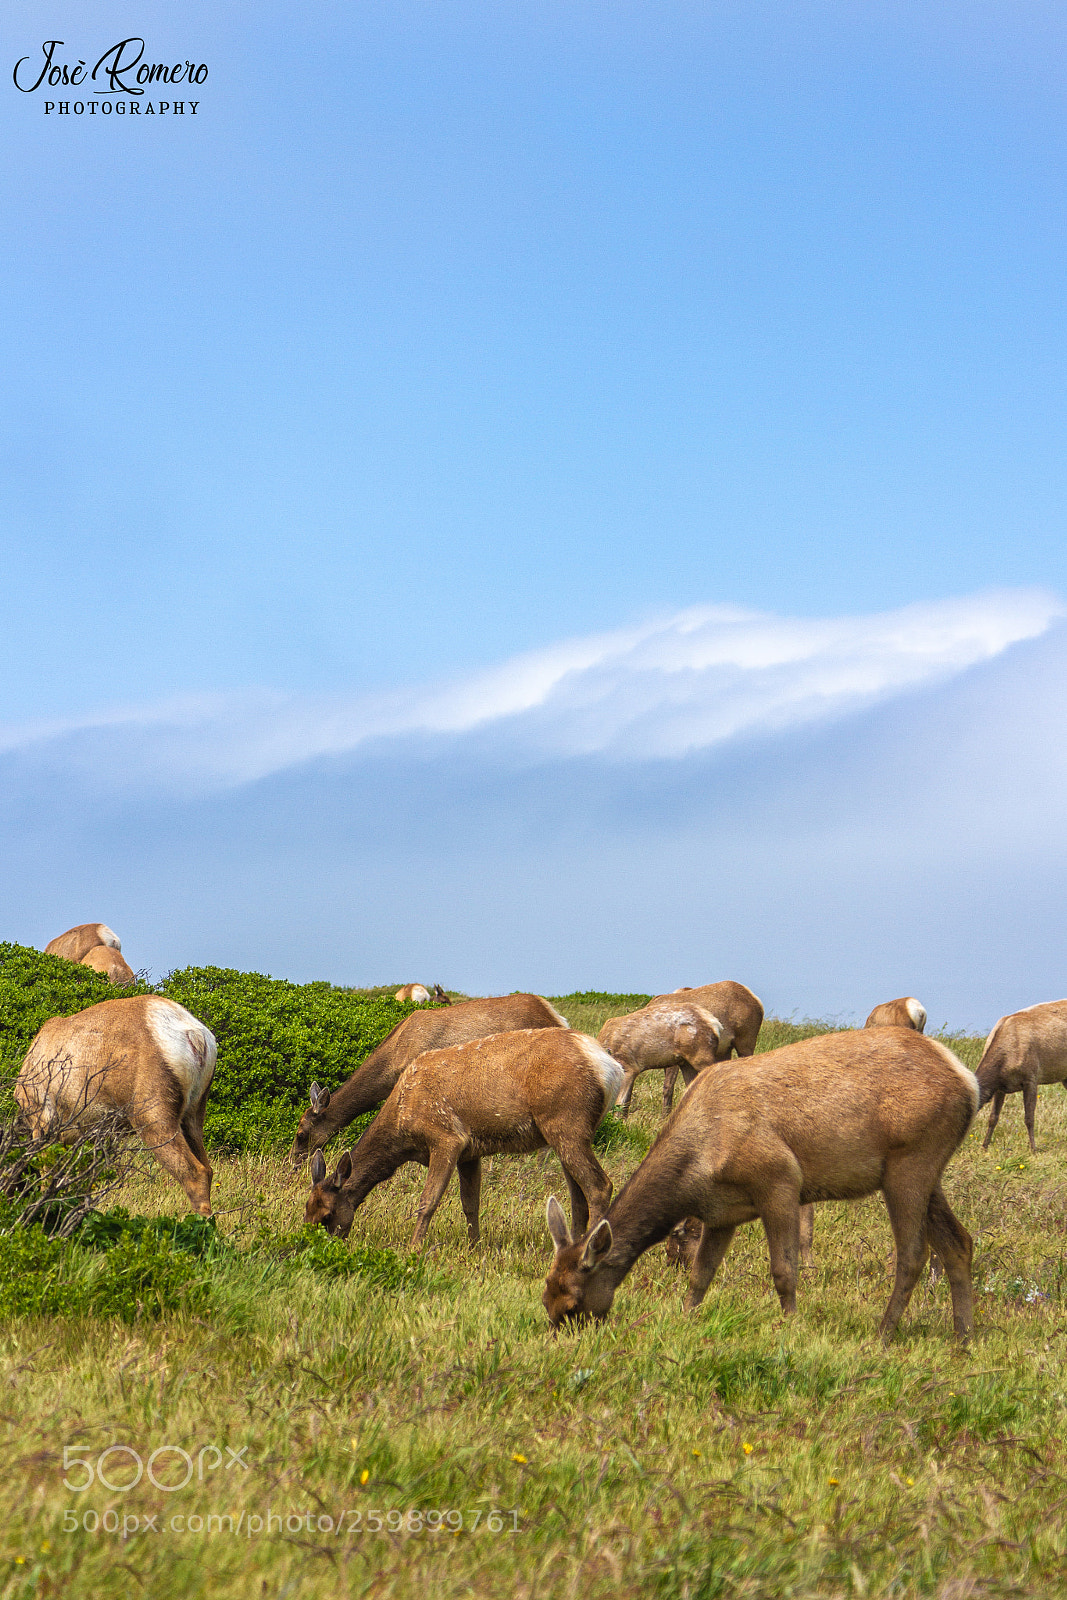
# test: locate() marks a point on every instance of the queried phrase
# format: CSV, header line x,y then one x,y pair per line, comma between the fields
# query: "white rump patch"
x,y
965,1072
107,937
187,1047
560,1019
606,1067
916,1012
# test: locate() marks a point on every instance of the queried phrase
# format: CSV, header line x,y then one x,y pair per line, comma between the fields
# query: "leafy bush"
x,y
142,1274
276,1038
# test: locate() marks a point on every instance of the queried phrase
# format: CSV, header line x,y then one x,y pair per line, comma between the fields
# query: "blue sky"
x,y
504,488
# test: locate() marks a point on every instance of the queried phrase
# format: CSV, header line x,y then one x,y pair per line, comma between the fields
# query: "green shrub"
x,y
275,1039
141,1274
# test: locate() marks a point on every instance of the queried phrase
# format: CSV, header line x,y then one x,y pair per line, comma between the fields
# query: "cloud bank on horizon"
x,y
663,689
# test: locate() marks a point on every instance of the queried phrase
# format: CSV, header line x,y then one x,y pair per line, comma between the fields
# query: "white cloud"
x,y
668,687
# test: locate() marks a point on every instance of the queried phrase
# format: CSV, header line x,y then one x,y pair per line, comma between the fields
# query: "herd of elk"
x,y
835,1117
511,1093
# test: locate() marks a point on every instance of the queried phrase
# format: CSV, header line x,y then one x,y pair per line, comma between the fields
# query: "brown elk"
x,y
1024,1050
415,992
830,1118
512,1092
737,1008
423,1030
148,1059
77,942
679,1035
439,997
907,1012
112,963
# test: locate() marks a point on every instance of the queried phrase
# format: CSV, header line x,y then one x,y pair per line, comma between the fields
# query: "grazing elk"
x,y
680,1035
737,1008
148,1059
416,992
77,942
439,997
112,963
1024,1050
512,1092
903,1013
830,1118
423,1030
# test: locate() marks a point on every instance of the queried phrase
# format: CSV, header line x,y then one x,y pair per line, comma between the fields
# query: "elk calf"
x,y
146,1058
1024,1050
513,1092
679,1035
831,1118
77,942
423,1030
903,1013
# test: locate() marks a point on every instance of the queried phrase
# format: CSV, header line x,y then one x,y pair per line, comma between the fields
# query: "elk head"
x,y
439,997
306,1142
577,1288
329,1202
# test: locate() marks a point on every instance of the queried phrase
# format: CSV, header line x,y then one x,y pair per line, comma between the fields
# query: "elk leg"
x,y
171,1150
781,1224
443,1161
807,1233
994,1117
1029,1108
589,1184
711,1248
470,1194
670,1078
907,1206
955,1249
630,1075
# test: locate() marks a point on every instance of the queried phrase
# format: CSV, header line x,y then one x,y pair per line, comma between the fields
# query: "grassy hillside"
x,y
724,1454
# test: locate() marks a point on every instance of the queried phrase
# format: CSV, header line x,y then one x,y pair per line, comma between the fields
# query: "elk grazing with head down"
x,y
416,993
831,1118
111,963
423,1030
77,942
510,1093
1024,1050
147,1059
907,1012
439,997
680,1035
737,1008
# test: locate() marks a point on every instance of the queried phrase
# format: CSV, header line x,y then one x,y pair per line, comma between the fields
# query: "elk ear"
x,y
320,1099
318,1167
597,1245
344,1168
557,1224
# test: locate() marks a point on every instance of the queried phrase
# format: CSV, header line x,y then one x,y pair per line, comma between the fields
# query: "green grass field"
x,y
432,1438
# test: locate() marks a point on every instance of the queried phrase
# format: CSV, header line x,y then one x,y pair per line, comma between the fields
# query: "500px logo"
x,y
120,1467
121,69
